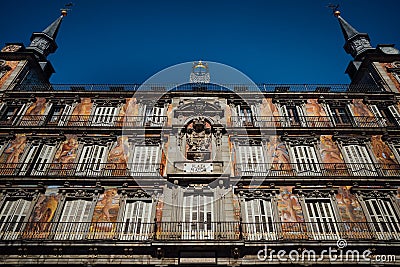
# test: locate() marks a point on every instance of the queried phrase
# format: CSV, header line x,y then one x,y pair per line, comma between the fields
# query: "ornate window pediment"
x,y
199,107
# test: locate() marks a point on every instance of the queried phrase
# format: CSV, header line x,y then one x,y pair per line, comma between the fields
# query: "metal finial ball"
x,y
337,13
64,12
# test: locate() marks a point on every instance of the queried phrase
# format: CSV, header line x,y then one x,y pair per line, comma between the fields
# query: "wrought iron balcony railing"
x,y
208,231
316,169
92,121
261,87
90,169
307,122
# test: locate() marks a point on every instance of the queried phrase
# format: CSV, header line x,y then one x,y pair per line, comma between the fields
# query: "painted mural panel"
x,y
278,155
269,113
128,114
6,69
363,116
384,154
331,156
12,154
65,157
105,215
316,116
351,213
81,113
39,224
117,157
391,75
291,214
34,114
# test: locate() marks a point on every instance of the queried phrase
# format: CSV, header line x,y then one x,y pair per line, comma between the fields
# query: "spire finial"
x,y
64,11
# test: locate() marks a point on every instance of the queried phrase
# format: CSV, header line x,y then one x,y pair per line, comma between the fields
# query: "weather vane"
x,y
334,8
67,7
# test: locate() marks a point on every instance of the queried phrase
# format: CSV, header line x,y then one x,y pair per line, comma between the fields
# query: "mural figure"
x,y
331,156
37,108
105,214
66,155
316,114
384,154
117,158
81,112
12,154
278,154
128,114
290,214
43,213
269,112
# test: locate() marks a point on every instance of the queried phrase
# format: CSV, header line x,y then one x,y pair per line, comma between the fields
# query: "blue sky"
x,y
127,41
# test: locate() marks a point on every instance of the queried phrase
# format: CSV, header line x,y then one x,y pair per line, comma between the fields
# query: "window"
x,y
75,220
59,115
395,113
38,161
322,219
145,160
198,216
387,116
358,160
259,219
154,116
104,116
137,223
384,218
92,160
12,114
378,115
251,160
293,116
305,160
12,216
340,115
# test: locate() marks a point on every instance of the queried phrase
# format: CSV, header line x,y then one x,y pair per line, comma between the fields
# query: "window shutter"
x,y
353,117
322,218
99,157
285,119
66,114
251,159
198,215
84,159
259,219
383,216
358,158
145,160
395,113
45,157
28,159
302,117
20,113
104,116
375,110
306,160
12,217
329,113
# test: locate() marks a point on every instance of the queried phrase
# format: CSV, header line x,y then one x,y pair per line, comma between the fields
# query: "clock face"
x,y
389,50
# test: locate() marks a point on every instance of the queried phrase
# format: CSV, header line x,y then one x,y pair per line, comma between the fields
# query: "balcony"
x,y
306,122
207,231
92,121
316,169
81,169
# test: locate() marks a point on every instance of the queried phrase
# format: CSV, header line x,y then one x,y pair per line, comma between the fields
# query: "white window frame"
x,y
75,219
145,160
153,116
104,115
45,157
259,219
28,158
320,214
252,160
359,160
378,115
92,160
65,114
384,219
198,217
136,218
395,112
13,214
306,160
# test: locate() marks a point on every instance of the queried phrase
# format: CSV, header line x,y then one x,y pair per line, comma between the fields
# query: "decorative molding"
x,y
315,193
249,194
22,192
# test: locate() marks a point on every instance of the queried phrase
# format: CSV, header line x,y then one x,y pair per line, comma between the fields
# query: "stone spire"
x,y
44,43
356,43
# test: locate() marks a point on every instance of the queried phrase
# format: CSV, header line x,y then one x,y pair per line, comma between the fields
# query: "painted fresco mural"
x,y
331,156
81,112
278,154
127,113
37,108
65,156
12,154
290,214
8,68
363,116
390,74
316,114
118,156
383,153
105,214
269,110
350,212
39,222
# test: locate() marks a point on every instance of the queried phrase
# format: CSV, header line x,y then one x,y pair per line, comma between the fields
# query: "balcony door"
x,y
198,217
359,160
305,160
136,219
12,217
322,222
251,160
258,220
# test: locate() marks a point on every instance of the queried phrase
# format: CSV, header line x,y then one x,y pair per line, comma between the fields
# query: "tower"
x,y
374,66
20,65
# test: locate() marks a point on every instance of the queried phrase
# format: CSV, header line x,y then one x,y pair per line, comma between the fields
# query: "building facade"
x,y
205,174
